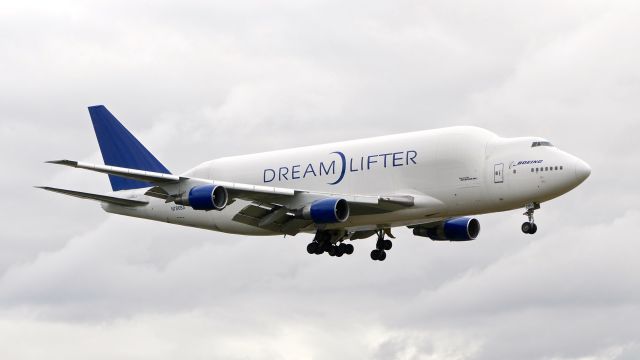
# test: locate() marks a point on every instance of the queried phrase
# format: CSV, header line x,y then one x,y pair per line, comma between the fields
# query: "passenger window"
x,y
561,167
556,168
537,169
531,169
546,168
514,171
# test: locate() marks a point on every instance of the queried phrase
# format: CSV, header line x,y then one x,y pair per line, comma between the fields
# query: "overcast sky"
x,y
196,80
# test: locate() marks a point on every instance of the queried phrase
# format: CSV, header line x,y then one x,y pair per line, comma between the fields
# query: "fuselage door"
x,y
498,173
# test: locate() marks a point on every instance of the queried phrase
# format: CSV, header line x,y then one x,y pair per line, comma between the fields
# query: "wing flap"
x,y
273,218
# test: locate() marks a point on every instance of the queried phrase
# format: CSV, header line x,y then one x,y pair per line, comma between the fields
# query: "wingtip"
x,y
62,162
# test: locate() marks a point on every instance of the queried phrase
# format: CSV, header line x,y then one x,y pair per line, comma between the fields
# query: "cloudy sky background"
x,y
196,80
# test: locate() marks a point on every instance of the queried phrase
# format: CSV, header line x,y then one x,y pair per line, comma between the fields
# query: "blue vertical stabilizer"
x,y
120,148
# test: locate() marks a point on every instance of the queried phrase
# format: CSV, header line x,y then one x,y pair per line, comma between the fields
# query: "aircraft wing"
x,y
271,207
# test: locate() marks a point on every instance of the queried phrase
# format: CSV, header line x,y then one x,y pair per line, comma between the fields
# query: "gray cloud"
x,y
205,79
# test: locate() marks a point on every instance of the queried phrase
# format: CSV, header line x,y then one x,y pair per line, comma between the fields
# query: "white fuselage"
x,y
465,170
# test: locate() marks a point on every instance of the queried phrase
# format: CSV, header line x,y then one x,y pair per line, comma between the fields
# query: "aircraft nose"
x,y
582,169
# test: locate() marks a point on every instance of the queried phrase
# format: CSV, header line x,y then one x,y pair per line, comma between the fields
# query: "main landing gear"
x,y
530,227
382,244
331,243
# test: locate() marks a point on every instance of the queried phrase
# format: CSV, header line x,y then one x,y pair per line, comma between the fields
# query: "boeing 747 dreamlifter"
x,y
432,181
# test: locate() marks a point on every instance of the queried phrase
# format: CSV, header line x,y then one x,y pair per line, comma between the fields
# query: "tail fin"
x,y
120,148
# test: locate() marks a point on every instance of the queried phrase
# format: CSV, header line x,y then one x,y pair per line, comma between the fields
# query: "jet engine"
x,y
457,229
205,197
326,211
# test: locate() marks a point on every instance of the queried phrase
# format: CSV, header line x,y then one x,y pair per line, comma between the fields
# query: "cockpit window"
x,y
541,143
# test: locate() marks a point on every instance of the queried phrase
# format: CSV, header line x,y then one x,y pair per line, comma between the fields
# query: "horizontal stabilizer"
x,y
97,197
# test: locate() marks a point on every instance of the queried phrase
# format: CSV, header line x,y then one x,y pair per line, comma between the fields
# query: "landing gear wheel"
x,y
529,228
378,254
312,247
348,249
332,251
387,244
382,255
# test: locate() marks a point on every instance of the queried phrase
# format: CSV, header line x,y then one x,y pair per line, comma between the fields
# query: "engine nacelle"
x,y
205,197
327,211
458,229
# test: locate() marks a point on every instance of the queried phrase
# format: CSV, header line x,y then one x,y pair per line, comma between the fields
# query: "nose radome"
x,y
583,170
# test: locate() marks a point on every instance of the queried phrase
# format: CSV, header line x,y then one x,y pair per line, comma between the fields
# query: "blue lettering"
x,y
397,158
385,158
295,170
271,173
412,157
351,169
309,169
283,174
331,167
369,161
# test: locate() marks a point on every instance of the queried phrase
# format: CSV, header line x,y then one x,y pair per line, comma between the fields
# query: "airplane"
x,y
432,181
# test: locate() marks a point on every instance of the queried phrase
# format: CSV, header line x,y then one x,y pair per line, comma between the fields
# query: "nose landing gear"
x,y
530,227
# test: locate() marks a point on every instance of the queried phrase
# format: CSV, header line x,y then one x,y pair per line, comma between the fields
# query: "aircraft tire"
x,y
348,249
332,251
374,254
526,227
382,255
387,244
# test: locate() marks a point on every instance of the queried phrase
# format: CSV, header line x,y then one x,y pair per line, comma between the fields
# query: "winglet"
x,y
120,148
